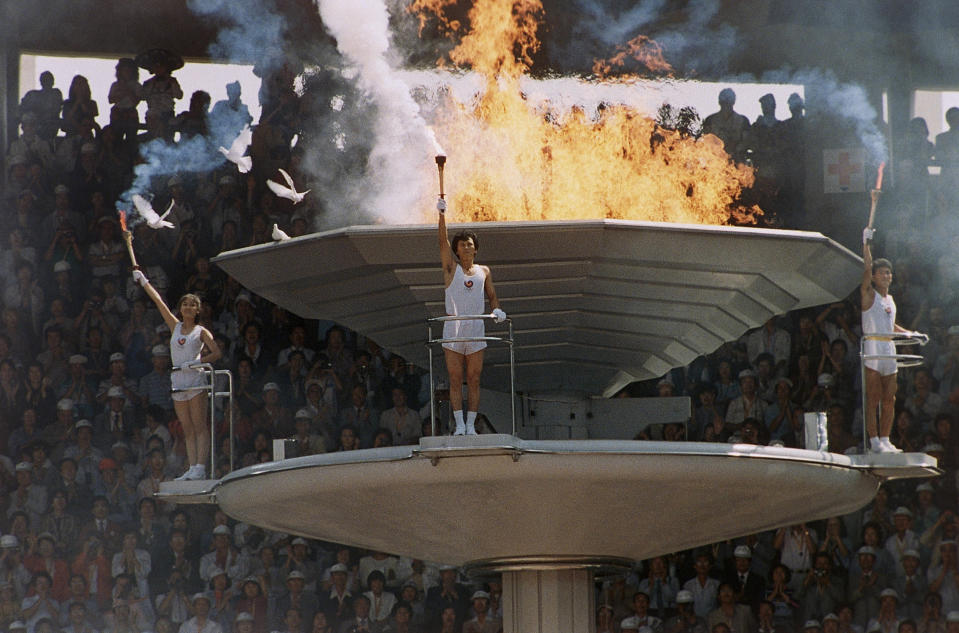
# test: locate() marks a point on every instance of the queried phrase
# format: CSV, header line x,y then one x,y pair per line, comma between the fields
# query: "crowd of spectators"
x,y
87,430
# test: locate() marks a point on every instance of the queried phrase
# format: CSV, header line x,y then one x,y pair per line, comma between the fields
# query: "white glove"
x,y
441,205
498,315
140,278
867,234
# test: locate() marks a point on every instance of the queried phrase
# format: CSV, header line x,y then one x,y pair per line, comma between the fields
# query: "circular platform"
x,y
498,501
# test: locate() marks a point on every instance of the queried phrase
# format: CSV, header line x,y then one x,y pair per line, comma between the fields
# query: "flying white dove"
x,y
145,209
238,148
279,234
290,193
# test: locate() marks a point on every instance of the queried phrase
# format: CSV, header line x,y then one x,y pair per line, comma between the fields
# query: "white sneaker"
x,y
460,428
187,476
887,446
471,428
196,472
874,445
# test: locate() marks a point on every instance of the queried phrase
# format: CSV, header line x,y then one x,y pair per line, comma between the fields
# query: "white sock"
x,y
460,427
874,442
471,422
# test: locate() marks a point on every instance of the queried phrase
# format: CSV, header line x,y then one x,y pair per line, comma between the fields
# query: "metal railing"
x,y
902,360
211,373
508,340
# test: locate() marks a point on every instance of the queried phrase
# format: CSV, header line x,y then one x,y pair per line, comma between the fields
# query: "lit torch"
x,y
127,237
440,164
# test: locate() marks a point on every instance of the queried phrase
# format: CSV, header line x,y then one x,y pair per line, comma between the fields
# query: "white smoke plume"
x,y
404,145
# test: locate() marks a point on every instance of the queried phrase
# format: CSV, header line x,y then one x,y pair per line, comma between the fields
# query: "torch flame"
x,y
123,219
518,159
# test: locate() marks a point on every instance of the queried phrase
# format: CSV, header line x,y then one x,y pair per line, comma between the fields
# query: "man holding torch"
x,y
468,285
879,317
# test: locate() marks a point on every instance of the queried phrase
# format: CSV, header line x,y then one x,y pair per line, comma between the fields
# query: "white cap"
x,y
925,487
747,373
902,511
298,541
911,553
830,617
115,391
824,380
742,551
480,595
812,624
83,424
77,359
161,350
9,541
338,568
271,386
24,467
889,593
115,356
221,529
684,596
61,267
17,625
61,189
65,404
866,549
631,623
296,573
243,616
303,413
200,596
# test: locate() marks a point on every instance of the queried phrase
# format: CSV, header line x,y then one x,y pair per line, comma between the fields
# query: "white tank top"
x,y
466,294
185,347
880,318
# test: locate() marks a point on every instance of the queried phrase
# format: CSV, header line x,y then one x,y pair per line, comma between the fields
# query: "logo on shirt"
x,y
181,340
469,284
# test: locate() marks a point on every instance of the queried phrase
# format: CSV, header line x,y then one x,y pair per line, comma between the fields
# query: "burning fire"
x,y
123,219
513,159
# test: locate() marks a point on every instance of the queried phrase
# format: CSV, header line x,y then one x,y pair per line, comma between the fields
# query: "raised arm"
x,y
446,251
866,291
165,312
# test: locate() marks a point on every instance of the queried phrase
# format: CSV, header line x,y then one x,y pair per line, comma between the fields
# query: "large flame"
x,y
512,159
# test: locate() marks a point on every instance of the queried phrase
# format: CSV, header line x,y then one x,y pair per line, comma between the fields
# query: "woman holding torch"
x,y
190,345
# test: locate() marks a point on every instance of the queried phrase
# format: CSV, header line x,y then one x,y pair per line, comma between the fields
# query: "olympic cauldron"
x,y
595,305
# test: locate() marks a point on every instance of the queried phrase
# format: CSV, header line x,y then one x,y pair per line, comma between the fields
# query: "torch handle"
x,y
874,195
128,239
442,188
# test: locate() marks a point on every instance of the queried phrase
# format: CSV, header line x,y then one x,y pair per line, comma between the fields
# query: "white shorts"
x,y
186,378
472,328
465,348
885,366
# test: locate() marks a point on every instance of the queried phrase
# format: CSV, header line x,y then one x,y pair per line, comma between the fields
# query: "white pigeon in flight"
x,y
238,148
290,193
279,234
154,220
